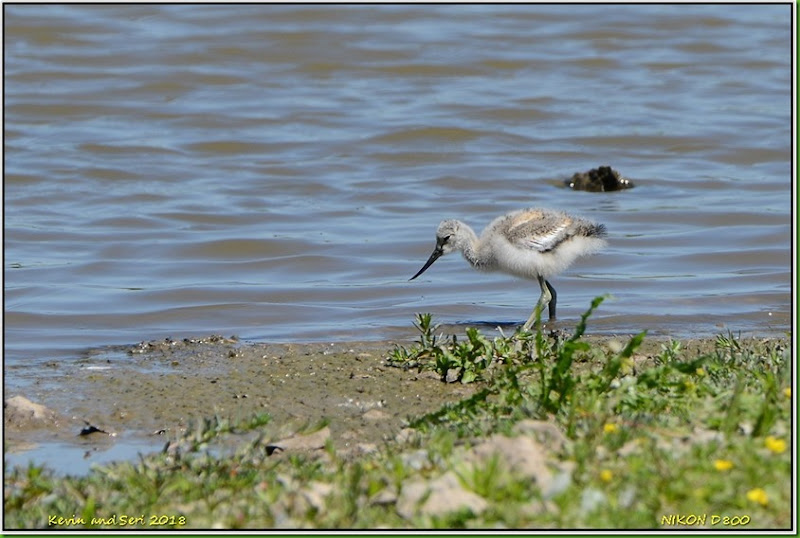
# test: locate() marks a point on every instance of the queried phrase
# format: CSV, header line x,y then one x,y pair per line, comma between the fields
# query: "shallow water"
x,y
278,171
77,457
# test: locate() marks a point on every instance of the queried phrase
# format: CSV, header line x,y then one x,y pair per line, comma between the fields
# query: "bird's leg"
x,y
552,304
544,300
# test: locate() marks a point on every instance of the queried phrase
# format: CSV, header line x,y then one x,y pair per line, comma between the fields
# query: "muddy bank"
x,y
160,388
156,390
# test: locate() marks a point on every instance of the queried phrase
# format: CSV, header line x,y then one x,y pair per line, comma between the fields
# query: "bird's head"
x,y
448,239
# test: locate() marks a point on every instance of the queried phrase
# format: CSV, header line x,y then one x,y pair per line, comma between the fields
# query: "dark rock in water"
x,y
601,179
90,429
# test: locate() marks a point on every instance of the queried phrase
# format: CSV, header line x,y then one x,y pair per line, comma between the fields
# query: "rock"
x,y
316,494
406,435
366,448
416,460
601,179
702,436
528,458
376,414
561,480
410,496
546,433
170,345
442,496
384,497
428,374
627,497
90,429
630,448
591,499
452,375
20,412
313,441
523,454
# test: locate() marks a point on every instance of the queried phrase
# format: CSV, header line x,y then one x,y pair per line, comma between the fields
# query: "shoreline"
x,y
160,388
553,433
164,387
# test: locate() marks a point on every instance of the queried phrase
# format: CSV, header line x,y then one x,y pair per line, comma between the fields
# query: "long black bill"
x,y
437,252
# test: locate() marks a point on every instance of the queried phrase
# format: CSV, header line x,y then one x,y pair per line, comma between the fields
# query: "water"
x,y
278,171
82,454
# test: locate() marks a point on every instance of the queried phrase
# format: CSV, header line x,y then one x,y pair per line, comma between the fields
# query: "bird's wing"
x,y
542,242
538,231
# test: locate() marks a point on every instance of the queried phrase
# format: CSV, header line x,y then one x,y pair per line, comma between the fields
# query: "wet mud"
x,y
157,390
162,388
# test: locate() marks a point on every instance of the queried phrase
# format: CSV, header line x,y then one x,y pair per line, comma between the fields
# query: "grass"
x,y
652,439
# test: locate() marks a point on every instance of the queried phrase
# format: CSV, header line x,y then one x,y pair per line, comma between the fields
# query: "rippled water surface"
x,y
278,171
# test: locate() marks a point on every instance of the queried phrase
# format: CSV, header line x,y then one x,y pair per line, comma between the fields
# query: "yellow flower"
x,y
723,465
606,475
758,495
778,446
610,427
787,392
700,372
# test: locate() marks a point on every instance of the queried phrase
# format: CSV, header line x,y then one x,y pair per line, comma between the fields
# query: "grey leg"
x,y
544,300
552,304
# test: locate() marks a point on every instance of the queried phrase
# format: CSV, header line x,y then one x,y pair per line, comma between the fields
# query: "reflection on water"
x,y
278,172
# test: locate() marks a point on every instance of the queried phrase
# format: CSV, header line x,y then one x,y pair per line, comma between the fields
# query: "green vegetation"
x,y
628,438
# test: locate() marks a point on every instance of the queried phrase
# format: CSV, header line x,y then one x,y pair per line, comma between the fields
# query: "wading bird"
x,y
530,243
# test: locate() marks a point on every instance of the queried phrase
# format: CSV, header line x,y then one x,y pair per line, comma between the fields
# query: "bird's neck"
x,y
470,246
